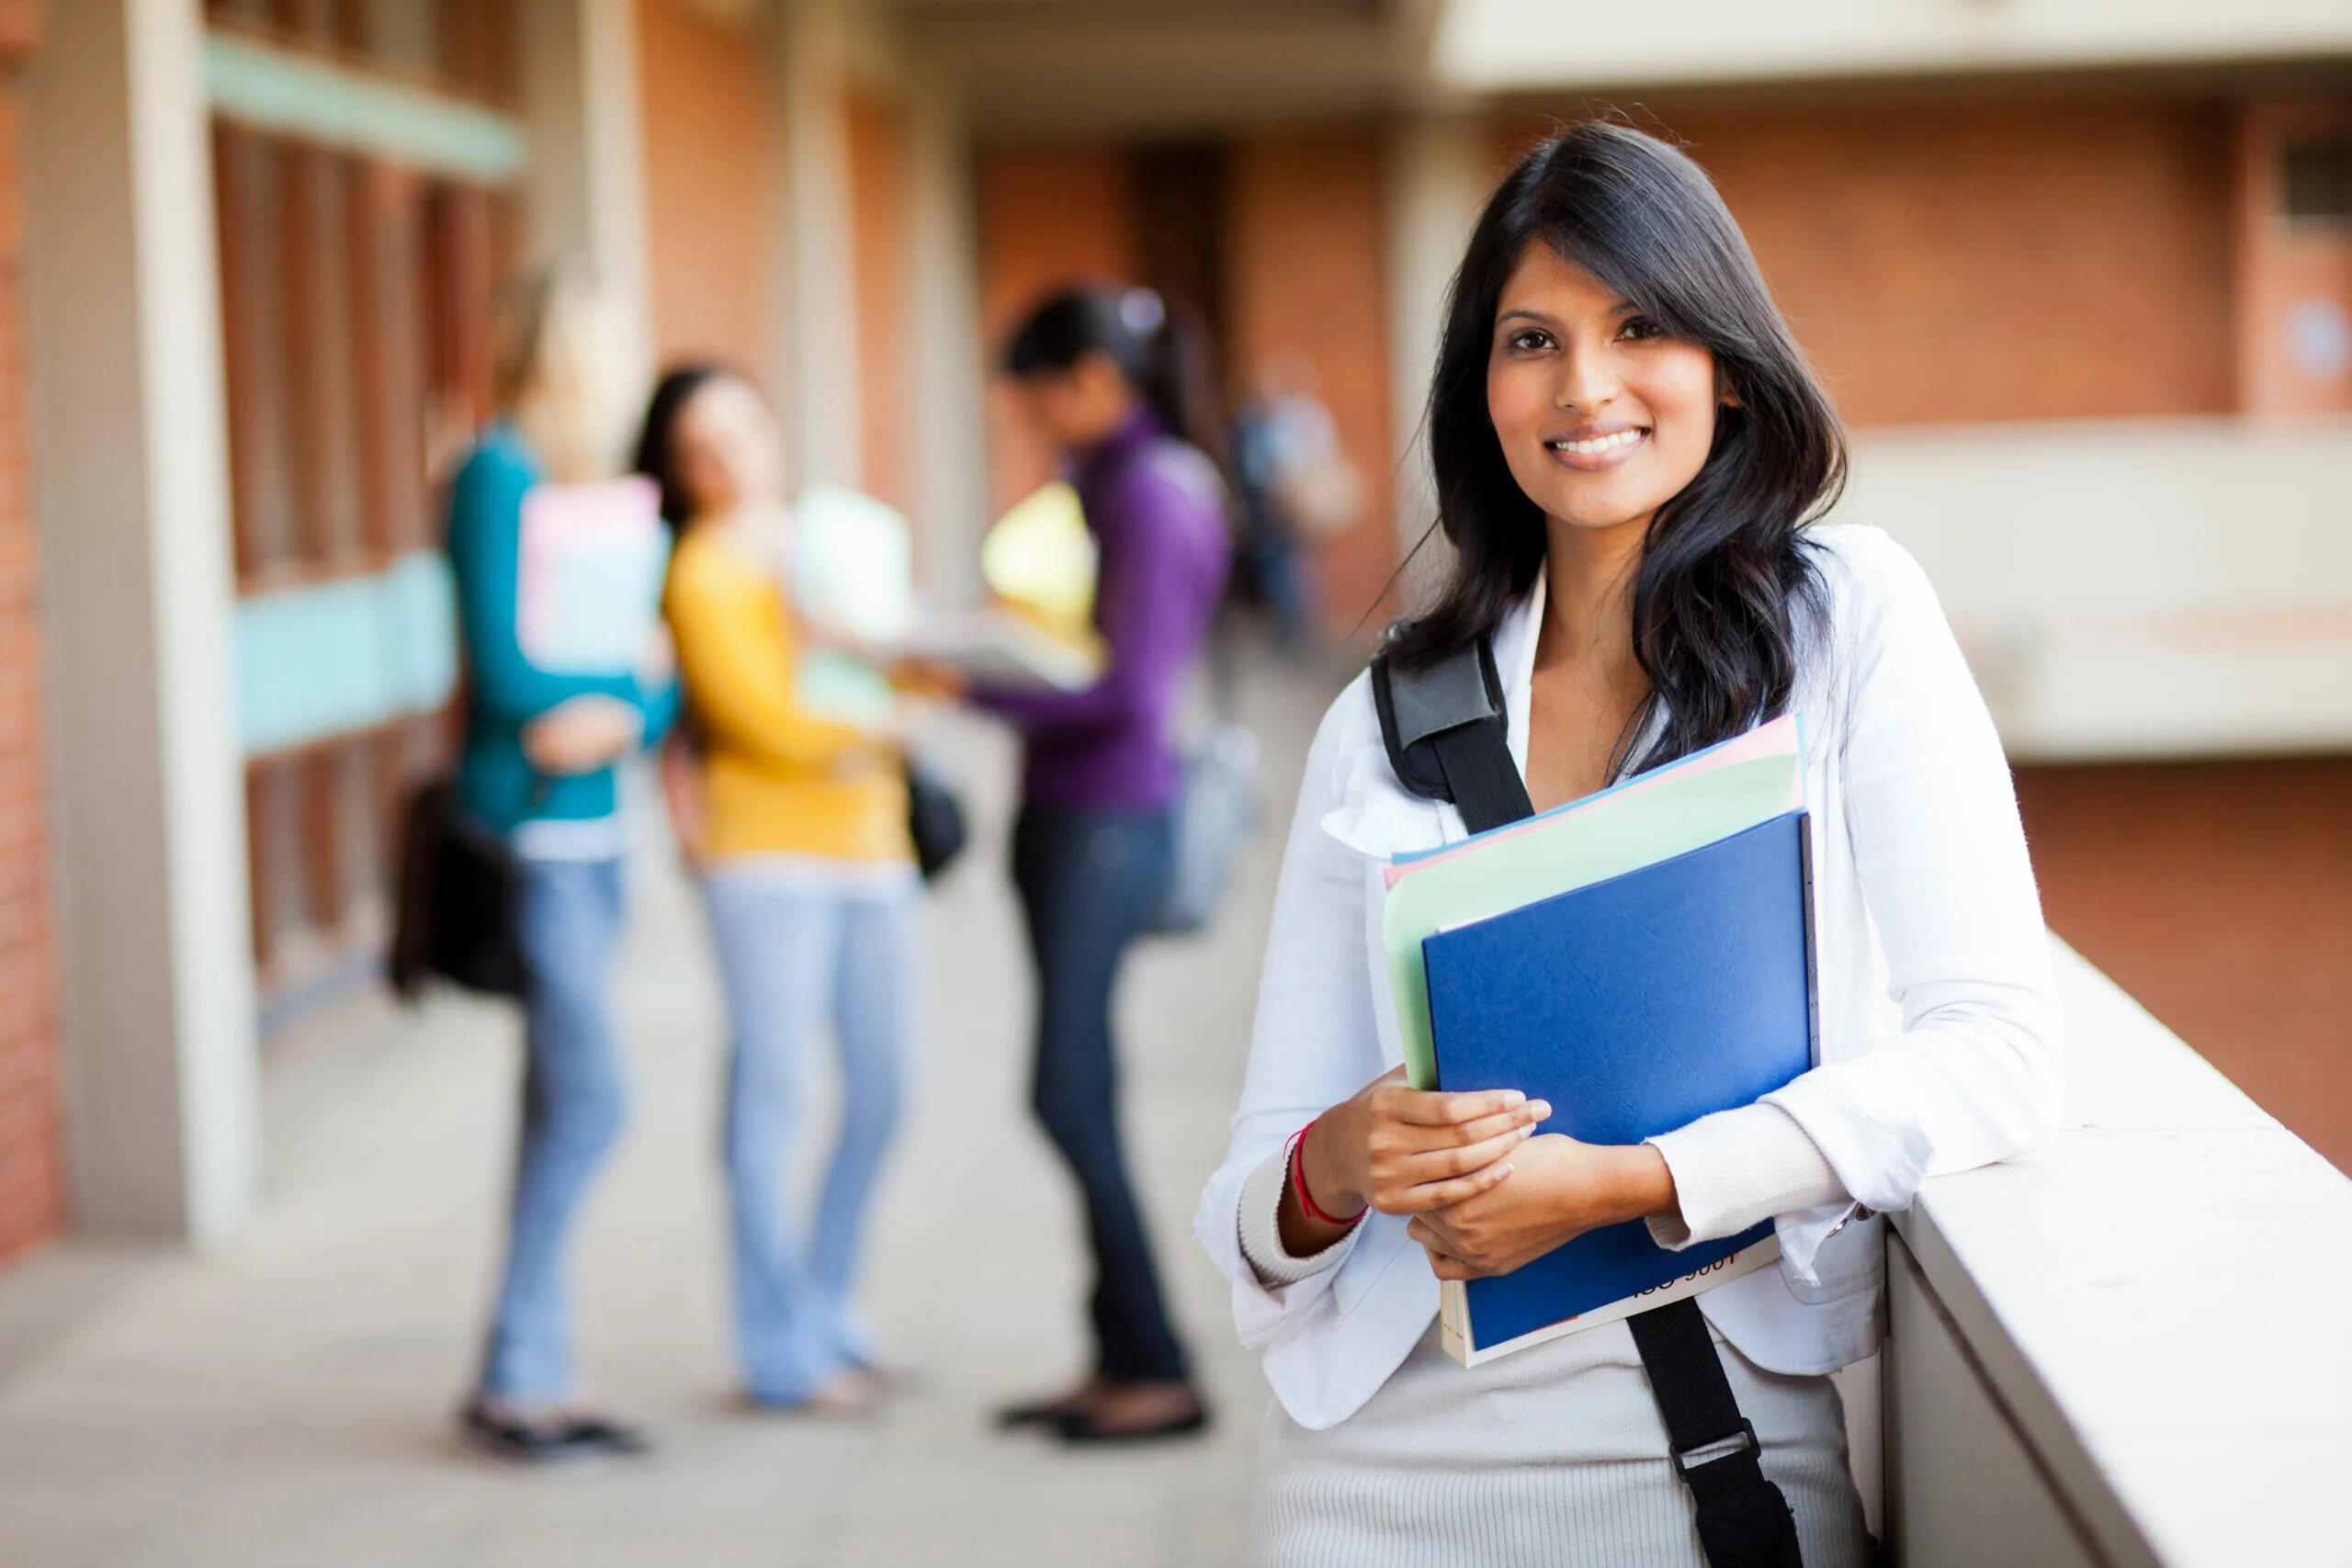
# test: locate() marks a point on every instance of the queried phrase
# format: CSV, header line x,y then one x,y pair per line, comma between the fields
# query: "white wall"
x,y
2135,589
162,1093
1489,45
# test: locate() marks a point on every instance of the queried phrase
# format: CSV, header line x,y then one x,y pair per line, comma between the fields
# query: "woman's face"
x,y
1079,408
731,454
1601,417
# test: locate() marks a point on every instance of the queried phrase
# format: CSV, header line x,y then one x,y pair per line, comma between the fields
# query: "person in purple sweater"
x,y
1115,387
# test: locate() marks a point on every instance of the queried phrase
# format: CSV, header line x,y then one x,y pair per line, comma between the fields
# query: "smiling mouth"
x,y
1589,453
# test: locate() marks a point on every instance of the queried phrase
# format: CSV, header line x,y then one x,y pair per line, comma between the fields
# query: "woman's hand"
x,y
1559,1189
657,661
1406,1151
682,787
931,679
582,735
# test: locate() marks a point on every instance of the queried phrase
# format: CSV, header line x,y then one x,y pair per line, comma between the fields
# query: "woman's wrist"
x,y
1643,1184
1332,1193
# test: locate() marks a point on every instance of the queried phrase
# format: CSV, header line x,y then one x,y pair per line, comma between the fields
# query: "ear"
x,y
1727,396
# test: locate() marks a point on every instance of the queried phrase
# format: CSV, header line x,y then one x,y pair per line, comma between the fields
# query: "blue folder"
x,y
1633,1005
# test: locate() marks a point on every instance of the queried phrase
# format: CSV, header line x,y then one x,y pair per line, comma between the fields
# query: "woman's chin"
x,y
1591,522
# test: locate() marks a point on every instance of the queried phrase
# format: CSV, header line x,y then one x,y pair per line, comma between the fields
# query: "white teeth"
x,y
1598,444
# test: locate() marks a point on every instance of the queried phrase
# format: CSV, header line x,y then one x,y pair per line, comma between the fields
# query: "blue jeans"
x,y
1089,882
800,959
574,1100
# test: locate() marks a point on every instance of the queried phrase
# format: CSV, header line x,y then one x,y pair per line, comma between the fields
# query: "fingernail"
x,y
1527,1132
1543,1110
1501,1171
1512,1098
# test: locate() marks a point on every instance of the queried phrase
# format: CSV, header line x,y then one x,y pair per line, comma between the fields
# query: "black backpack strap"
x,y
1444,728
1744,1522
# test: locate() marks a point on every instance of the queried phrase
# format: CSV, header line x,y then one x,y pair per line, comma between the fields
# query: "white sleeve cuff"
x,y
1734,1168
1262,1228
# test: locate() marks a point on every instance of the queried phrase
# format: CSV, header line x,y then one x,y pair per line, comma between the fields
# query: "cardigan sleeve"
x,y
1314,1043
1736,1168
1261,1229
1974,1073
735,656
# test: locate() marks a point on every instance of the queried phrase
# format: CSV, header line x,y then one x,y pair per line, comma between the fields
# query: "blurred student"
x,y
539,772
799,832
1121,392
1293,484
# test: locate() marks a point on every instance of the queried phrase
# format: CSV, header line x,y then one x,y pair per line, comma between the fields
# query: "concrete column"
x,y
130,458
819,313
1441,169
950,376
585,186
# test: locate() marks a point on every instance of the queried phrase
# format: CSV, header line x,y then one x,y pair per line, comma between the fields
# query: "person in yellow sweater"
x,y
799,831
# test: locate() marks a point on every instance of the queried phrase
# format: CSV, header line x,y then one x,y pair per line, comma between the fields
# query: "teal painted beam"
x,y
284,90
336,657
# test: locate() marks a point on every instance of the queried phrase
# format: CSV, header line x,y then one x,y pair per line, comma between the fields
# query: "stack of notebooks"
x,y
1638,958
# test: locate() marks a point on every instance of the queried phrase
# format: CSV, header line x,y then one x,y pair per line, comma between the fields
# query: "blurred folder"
x,y
1000,647
1041,555
588,583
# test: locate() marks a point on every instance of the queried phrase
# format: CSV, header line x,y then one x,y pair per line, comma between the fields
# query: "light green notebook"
x,y
1686,805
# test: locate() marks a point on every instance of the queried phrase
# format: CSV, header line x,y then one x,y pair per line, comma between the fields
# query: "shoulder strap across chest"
x,y
1447,735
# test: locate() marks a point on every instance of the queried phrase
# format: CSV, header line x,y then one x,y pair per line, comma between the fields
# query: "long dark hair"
x,y
657,442
1724,576
1161,348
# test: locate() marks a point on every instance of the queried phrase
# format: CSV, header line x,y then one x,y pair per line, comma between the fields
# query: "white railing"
x,y
2129,1348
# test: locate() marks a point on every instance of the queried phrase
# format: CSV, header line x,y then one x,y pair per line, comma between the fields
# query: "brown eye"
x,y
1528,340
1639,328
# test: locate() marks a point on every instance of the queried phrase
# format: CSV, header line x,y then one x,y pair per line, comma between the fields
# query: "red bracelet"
x,y
1298,1184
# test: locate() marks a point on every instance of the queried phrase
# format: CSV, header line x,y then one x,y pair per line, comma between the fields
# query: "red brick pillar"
x,y
32,1166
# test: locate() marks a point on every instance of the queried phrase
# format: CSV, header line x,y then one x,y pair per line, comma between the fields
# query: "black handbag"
x,y
458,910
935,819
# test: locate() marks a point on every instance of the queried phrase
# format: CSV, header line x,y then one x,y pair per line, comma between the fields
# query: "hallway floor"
x,y
285,1398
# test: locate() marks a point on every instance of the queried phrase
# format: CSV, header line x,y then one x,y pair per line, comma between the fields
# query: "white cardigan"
x,y
1939,1023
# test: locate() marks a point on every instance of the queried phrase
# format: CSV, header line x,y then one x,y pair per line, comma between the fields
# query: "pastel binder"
x,y
1633,1005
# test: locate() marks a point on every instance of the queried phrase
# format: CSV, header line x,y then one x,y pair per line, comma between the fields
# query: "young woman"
x,y
1627,446
541,748
1114,385
809,873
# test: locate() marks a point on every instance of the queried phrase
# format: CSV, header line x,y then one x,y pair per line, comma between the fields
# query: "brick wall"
x,y
1304,276
1952,261
33,1174
1048,218
711,171
2220,895
880,241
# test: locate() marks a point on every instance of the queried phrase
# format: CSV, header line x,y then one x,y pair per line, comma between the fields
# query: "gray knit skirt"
x,y
1551,1458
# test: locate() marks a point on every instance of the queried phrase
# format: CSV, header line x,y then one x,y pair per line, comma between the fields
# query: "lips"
x,y
1589,447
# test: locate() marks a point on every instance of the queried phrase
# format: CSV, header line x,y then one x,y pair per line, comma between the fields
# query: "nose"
x,y
1587,381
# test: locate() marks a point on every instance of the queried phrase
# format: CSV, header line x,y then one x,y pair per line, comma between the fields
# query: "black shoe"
x,y
549,1439
1043,1412
1086,1426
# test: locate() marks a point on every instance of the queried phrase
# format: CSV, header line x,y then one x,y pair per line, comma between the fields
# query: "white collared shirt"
x,y
1940,1025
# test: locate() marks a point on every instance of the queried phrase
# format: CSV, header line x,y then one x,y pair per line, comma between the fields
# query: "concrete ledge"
x,y
2154,1301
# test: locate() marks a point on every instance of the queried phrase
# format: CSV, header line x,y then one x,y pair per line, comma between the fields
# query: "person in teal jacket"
x,y
539,771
